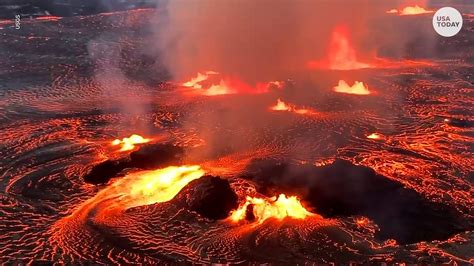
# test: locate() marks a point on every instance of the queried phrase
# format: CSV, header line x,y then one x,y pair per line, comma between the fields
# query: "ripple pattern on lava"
x,y
57,121
343,189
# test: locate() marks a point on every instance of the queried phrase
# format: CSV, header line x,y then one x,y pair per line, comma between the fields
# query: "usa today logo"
x,y
447,21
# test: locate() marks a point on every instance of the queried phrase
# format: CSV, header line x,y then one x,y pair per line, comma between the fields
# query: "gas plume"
x,y
254,40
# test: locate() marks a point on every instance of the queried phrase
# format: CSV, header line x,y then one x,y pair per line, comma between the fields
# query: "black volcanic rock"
x,y
28,8
249,214
344,189
154,156
147,157
101,173
210,196
462,123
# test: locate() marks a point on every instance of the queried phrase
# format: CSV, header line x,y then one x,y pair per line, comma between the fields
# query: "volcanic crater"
x,y
361,159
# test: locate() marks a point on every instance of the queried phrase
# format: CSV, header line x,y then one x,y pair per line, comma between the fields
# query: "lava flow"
x,y
48,18
358,88
409,10
129,143
144,188
262,209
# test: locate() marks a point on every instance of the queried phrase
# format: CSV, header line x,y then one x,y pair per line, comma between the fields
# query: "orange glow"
x,y
387,63
358,88
282,106
375,136
341,54
143,188
271,208
414,10
200,77
52,18
362,221
130,142
219,89
160,185
392,11
210,83
277,84
409,10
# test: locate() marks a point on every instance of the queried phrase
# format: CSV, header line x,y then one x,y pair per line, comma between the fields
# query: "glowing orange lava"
x,y
141,188
282,106
409,10
341,54
212,83
362,221
271,208
160,185
358,88
375,136
219,89
51,18
200,77
392,11
130,142
388,63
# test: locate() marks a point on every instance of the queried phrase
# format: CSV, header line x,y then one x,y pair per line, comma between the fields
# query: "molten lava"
x,y
414,10
409,10
263,209
48,18
195,82
282,106
392,11
375,136
160,185
130,142
361,221
341,54
219,89
140,188
212,83
358,88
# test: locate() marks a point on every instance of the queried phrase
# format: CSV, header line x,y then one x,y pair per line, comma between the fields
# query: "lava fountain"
x,y
282,106
129,143
200,77
359,88
262,209
409,11
340,55
375,136
211,83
